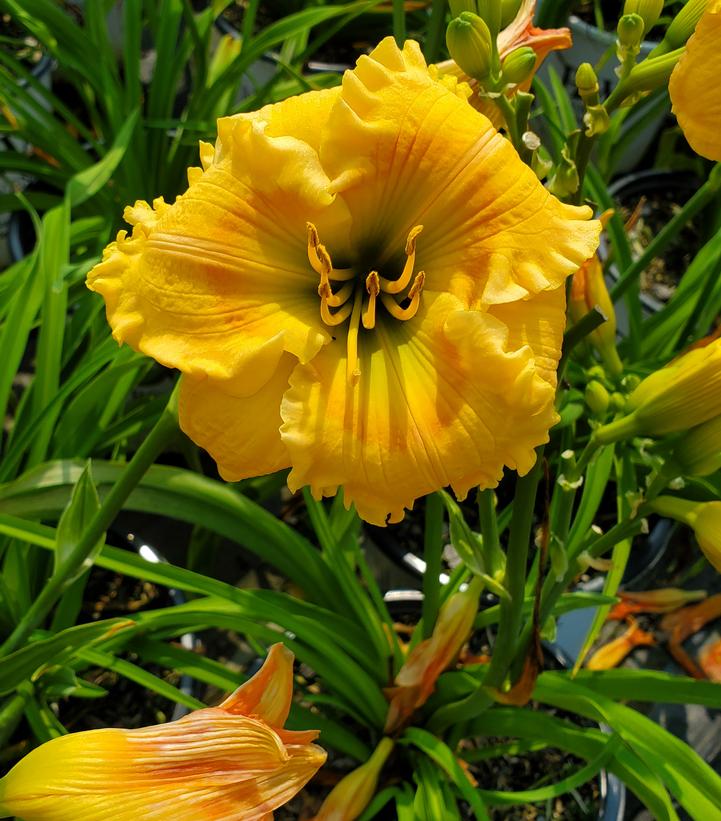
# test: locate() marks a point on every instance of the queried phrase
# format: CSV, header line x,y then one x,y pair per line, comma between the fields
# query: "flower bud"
x,y
630,32
703,517
597,398
353,793
459,6
675,398
470,45
519,65
698,451
648,10
491,11
587,82
509,10
681,27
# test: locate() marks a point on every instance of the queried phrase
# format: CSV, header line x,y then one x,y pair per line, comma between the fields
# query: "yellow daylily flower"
x,y
694,85
233,762
363,283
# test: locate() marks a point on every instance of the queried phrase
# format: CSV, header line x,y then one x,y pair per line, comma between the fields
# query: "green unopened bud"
x,y
587,81
597,398
648,10
682,27
630,32
459,6
698,451
618,401
519,65
490,11
509,10
470,45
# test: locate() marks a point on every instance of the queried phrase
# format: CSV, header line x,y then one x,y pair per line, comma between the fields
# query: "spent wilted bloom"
x,y
694,85
362,283
416,680
589,291
234,762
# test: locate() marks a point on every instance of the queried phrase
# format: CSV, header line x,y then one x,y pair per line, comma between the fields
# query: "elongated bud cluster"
x,y
678,397
698,451
703,517
682,27
648,10
470,44
518,66
491,12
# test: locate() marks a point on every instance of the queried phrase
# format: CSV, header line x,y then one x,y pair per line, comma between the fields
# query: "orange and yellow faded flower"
x,y
416,680
694,85
234,762
364,284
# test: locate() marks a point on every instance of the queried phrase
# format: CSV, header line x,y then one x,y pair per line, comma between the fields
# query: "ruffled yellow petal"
x,y
538,324
219,283
403,150
242,433
441,400
694,85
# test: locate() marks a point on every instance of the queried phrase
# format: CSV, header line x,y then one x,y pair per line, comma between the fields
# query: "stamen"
x,y
353,369
338,317
313,246
369,312
395,310
342,274
395,286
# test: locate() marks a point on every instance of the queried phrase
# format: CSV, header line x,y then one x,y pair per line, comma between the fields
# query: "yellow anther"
x,y
395,310
373,287
395,286
411,240
313,245
341,297
353,368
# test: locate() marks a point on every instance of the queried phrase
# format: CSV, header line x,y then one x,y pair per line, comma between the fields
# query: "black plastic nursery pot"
x,y
653,197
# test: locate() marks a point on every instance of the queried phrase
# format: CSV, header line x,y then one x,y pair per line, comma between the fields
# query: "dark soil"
x,y
649,215
611,10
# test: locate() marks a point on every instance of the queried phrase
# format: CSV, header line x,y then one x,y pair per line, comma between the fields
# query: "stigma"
x,y
347,296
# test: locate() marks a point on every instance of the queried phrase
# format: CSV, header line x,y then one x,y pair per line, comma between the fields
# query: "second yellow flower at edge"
x,y
364,284
234,762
